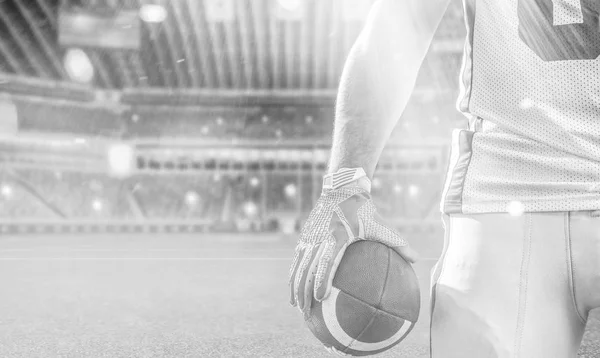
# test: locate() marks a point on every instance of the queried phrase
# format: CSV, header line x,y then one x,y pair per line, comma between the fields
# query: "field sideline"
x,y
169,296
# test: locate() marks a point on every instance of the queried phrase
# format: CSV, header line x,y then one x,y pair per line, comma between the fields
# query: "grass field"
x,y
168,296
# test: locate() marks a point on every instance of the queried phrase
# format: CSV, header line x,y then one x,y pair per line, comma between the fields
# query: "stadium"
x,y
159,157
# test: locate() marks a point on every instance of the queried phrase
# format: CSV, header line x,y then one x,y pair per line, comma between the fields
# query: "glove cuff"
x,y
347,177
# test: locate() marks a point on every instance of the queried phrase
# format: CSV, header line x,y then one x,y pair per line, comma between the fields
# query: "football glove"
x,y
344,214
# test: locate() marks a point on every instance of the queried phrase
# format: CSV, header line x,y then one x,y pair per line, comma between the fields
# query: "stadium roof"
x,y
202,45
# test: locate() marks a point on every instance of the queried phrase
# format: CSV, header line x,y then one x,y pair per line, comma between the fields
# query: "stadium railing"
x,y
175,185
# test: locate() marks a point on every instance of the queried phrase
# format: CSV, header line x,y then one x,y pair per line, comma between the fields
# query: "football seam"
x,y
371,322
368,325
377,310
349,346
387,275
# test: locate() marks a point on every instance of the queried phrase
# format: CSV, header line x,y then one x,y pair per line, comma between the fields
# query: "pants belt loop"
x,y
477,124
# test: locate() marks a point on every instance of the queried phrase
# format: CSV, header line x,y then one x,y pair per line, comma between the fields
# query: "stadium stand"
x,y
196,145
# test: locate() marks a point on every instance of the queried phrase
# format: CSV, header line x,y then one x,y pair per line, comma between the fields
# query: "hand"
x,y
342,216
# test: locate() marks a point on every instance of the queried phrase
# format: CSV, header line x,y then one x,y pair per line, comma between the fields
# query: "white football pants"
x,y
518,287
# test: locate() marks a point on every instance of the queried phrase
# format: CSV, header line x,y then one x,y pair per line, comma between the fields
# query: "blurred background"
x,y
158,157
198,115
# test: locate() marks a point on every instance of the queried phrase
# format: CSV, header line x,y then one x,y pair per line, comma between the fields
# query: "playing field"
x,y
168,296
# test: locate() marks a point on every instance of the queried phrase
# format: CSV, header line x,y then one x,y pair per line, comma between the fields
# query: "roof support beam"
x,y
104,76
304,56
138,68
232,52
156,48
14,63
319,43
177,58
243,8
201,43
187,41
260,34
48,12
122,68
335,39
41,39
274,36
216,45
21,41
289,52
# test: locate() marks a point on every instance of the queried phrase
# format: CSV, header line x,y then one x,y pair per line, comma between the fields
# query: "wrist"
x,y
347,177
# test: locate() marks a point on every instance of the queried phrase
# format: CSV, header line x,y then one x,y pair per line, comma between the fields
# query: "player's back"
x,y
531,87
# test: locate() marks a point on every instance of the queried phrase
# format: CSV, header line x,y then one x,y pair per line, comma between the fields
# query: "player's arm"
x,y
377,81
378,78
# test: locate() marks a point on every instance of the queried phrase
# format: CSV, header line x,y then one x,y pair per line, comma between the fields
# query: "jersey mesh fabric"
x,y
540,139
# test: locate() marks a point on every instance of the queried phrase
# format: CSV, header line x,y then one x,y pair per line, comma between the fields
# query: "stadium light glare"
x,y
225,154
192,198
515,208
321,156
120,160
413,190
283,155
356,10
97,205
254,182
290,5
376,183
219,10
527,103
240,155
254,155
306,156
153,13
250,209
78,65
269,155
7,191
398,189
82,23
290,190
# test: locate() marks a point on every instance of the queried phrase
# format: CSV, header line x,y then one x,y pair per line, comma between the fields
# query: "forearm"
x,y
369,104
376,84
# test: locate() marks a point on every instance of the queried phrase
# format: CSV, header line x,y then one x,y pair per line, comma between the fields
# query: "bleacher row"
x,y
431,114
88,228
85,227
270,184
39,200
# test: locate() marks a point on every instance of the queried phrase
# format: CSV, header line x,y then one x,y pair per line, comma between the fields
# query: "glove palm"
x,y
342,216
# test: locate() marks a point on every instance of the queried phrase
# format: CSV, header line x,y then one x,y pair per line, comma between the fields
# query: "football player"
x,y
520,269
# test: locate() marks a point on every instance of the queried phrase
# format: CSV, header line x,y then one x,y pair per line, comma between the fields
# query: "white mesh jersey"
x,y
531,89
